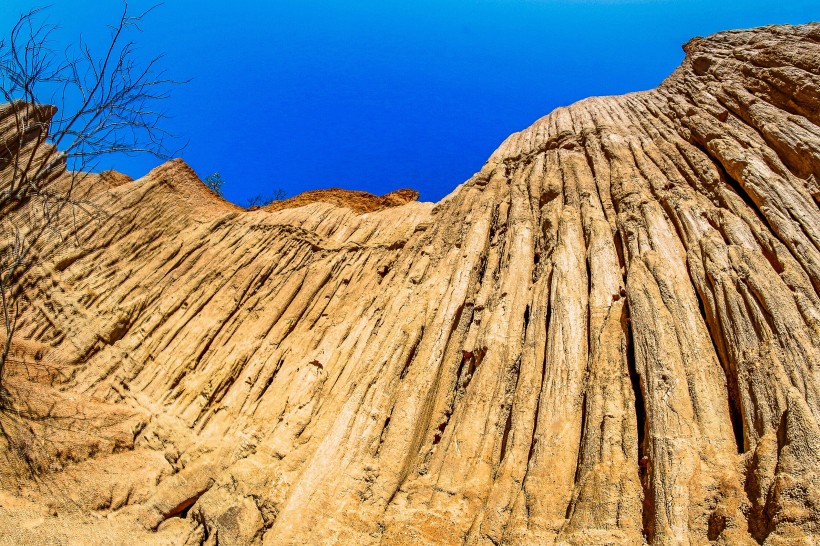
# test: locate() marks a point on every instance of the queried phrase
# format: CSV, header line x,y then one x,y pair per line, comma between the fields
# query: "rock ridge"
x,y
360,202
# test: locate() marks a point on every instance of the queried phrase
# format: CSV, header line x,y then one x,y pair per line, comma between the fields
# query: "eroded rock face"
x,y
609,335
357,201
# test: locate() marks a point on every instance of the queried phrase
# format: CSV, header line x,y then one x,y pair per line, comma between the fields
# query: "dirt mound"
x,y
359,202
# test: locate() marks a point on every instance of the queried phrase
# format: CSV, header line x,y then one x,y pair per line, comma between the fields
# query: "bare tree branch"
x,y
65,108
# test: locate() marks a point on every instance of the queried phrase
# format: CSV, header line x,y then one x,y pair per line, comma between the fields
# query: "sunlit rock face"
x,y
608,335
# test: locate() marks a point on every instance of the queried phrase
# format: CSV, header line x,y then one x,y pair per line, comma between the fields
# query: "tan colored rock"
x,y
357,201
608,335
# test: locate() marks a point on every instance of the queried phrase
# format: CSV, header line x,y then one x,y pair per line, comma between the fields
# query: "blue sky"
x,y
378,95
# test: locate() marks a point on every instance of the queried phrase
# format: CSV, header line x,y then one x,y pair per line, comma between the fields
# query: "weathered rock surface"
x,y
357,201
609,335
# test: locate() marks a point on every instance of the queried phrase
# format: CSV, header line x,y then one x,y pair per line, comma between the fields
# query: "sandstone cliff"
x,y
608,335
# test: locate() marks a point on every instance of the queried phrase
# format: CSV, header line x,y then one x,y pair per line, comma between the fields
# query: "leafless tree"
x,y
260,200
64,109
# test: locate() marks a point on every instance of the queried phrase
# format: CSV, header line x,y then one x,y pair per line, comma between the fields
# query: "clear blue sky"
x,y
378,95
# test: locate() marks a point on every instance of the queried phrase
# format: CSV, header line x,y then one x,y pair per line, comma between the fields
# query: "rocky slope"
x,y
608,335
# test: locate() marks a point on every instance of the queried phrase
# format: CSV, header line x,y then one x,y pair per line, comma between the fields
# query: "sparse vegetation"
x,y
67,107
214,182
260,200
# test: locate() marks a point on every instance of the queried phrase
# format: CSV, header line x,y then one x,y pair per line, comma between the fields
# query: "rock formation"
x,y
608,335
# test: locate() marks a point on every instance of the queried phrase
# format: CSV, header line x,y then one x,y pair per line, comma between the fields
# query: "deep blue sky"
x,y
378,95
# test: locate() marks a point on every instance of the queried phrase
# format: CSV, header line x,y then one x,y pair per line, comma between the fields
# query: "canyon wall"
x,y
610,334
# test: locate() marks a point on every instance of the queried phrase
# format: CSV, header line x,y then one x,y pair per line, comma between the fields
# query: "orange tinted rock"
x,y
359,202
